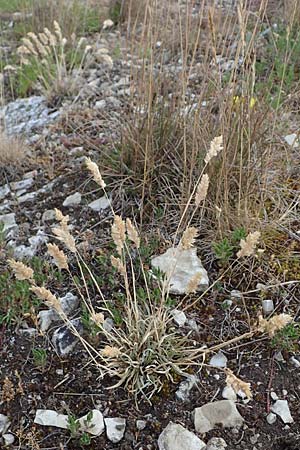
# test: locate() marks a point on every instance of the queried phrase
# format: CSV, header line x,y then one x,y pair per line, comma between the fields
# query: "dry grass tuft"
x,y
13,151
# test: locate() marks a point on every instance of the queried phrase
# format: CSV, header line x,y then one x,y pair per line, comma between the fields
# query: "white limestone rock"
x,y
99,204
50,418
180,266
72,200
179,317
176,437
222,412
219,360
292,140
281,408
185,387
95,425
8,221
216,443
229,394
4,423
271,418
68,303
115,428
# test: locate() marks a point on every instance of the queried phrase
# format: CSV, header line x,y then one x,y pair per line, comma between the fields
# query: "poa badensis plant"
x,y
145,350
54,62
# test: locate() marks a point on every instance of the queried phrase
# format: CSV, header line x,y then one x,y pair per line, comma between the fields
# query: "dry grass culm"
x,y
196,77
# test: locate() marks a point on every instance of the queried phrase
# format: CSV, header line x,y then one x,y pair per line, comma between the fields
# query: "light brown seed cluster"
x,y
21,271
188,238
95,172
47,297
276,323
59,257
237,385
118,233
249,244
216,146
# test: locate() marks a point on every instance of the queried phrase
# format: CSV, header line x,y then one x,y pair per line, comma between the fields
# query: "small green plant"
x,y
73,425
287,338
39,357
225,249
85,439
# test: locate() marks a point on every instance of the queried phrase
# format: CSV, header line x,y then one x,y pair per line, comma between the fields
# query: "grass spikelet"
x,y
238,385
21,271
97,318
39,45
276,323
193,284
188,238
47,297
60,258
65,236
95,172
117,264
118,231
249,244
202,189
51,37
57,30
60,217
132,233
27,42
110,352
216,146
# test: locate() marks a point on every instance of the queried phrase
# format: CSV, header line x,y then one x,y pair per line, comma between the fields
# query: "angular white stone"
x,y
271,418
185,387
218,360
180,266
179,317
68,303
50,418
4,423
9,221
292,140
141,424
216,443
72,200
95,425
281,408
115,428
99,204
8,439
176,437
222,412
229,394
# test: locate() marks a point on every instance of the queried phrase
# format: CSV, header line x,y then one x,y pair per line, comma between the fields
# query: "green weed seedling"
x,y
287,338
39,357
226,248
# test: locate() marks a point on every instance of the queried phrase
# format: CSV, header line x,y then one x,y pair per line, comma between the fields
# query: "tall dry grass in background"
x,y
174,114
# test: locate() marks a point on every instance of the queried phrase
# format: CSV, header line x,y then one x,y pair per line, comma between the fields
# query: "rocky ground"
x,y
44,367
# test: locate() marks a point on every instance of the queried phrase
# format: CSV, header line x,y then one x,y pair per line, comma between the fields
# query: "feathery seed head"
x,y
60,258
202,189
118,231
95,172
216,146
188,238
21,271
